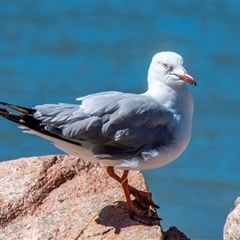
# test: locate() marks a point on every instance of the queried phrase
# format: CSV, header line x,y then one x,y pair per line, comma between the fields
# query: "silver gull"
x,y
122,130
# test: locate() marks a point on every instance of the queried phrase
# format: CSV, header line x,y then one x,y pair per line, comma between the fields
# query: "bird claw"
x,y
149,217
144,199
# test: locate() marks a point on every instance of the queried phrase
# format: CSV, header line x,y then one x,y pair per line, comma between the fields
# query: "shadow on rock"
x,y
116,216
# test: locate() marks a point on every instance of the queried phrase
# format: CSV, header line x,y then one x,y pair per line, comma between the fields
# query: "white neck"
x,y
177,98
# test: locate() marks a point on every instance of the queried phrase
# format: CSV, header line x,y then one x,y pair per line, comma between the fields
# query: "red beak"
x,y
187,78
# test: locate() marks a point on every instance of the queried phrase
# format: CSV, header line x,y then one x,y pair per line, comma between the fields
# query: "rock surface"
x,y
64,197
232,225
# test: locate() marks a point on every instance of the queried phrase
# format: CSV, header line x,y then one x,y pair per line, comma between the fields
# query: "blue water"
x,y
54,52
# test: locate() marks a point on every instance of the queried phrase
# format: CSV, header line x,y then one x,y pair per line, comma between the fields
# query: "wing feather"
x,y
116,124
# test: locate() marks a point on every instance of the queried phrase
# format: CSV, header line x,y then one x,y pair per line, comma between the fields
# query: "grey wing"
x,y
116,125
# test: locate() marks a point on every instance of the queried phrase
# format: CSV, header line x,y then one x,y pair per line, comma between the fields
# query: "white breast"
x,y
182,106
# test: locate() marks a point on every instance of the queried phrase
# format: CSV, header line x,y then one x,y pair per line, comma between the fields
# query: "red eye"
x,y
165,65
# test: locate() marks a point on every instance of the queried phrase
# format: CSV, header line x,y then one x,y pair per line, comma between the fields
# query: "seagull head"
x,y
168,68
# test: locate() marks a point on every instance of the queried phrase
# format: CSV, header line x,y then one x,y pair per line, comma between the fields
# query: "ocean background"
x,y
54,52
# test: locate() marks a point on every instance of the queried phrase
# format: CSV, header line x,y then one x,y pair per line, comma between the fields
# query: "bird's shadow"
x,y
116,216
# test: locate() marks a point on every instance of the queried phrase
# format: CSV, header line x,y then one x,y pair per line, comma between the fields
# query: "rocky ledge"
x,y
64,197
232,225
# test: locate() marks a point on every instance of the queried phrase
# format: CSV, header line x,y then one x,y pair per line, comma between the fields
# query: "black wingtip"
x,y
3,110
17,108
17,118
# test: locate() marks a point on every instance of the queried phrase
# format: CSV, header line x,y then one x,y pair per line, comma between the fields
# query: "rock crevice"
x,y
47,179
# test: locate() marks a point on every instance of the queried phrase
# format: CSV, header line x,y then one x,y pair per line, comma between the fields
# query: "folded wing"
x,y
115,125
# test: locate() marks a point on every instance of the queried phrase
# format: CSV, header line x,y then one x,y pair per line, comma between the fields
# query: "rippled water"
x,y
55,52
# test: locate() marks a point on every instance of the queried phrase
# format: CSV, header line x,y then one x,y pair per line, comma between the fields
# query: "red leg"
x,y
148,217
124,182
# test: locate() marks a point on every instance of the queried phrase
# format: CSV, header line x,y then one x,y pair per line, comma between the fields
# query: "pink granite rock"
x,y
232,225
64,197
